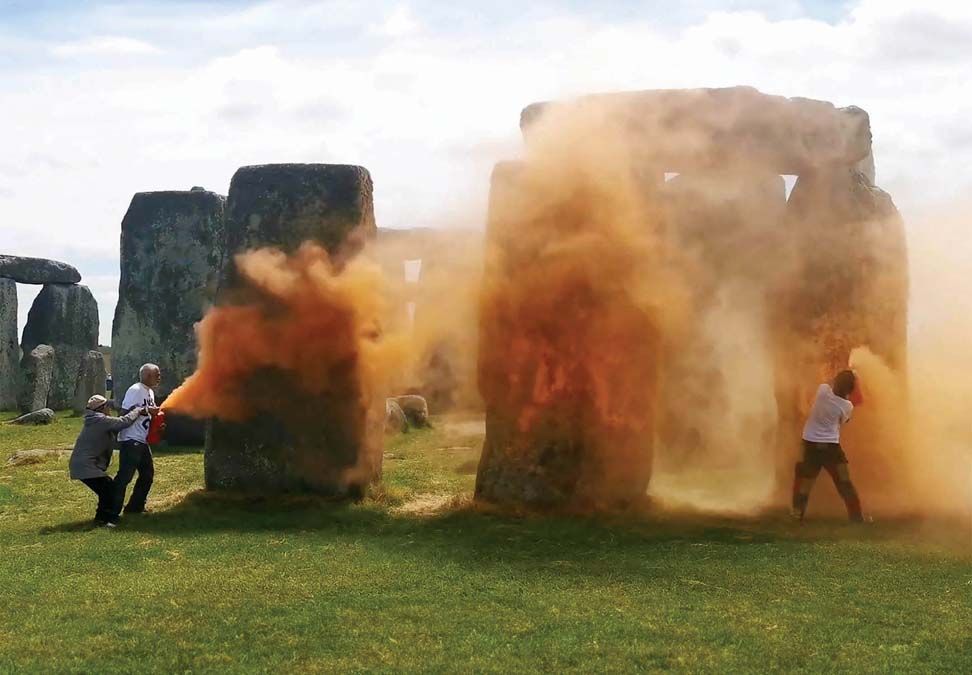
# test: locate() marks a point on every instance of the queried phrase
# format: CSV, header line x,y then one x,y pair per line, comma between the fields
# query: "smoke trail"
x,y
441,329
577,293
302,317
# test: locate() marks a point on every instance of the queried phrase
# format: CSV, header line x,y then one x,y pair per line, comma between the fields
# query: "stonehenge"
x,y
62,326
589,384
326,442
809,277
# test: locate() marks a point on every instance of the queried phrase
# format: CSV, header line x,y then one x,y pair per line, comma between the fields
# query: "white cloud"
x,y
399,22
105,45
429,111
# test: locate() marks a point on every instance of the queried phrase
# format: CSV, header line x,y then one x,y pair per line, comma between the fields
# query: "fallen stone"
x,y
91,379
37,270
328,443
683,130
42,416
9,349
66,318
37,455
415,408
171,259
36,373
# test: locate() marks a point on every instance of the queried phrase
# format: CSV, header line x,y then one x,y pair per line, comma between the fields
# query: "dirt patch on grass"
x,y
425,505
468,468
475,427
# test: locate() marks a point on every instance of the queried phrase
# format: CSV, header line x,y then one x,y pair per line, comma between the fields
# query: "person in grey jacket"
x,y
92,454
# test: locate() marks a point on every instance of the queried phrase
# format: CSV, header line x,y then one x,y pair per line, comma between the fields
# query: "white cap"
x,y
96,402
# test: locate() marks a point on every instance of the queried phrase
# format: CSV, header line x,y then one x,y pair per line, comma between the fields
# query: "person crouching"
x,y
92,454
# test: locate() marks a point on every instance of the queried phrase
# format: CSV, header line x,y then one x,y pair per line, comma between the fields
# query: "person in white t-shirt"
x,y
136,455
832,408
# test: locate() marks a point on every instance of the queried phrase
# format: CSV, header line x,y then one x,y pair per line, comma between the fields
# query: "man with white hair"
x,y
92,454
136,455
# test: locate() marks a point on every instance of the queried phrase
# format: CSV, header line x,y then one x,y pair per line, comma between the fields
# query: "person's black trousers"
x,y
104,487
134,457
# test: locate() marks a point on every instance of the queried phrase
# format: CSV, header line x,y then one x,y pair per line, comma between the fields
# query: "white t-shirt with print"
x,y
828,413
137,395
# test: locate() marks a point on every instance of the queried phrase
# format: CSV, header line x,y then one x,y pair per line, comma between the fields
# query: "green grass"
x,y
212,583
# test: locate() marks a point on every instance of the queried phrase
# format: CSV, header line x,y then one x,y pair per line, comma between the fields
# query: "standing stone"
x,y
850,290
37,270
9,350
569,424
296,441
36,372
171,258
65,317
91,379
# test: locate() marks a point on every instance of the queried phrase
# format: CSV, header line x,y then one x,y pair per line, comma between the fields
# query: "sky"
x,y
103,100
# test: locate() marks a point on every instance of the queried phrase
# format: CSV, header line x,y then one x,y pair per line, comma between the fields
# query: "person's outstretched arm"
x,y
126,420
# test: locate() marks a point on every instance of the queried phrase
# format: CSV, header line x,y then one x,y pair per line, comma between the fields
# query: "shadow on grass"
x,y
177,450
74,526
645,545
202,512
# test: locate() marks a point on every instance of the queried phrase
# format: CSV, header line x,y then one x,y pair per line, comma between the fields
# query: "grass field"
x,y
415,578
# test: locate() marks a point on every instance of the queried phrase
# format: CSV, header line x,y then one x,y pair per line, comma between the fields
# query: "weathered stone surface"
x,y
853,267
395,420
685,130
567,426
9,349
36,372
171,259
283,205
42,416
37,270
66,318
91,379
328,443
850,290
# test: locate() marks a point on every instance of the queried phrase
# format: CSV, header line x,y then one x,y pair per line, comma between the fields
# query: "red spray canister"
x,y
156,431
857,393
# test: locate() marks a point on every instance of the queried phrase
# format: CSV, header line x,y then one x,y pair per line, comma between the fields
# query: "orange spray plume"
x,y
301,316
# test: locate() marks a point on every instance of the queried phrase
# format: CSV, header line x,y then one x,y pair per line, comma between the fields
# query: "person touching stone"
x,y
92,454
